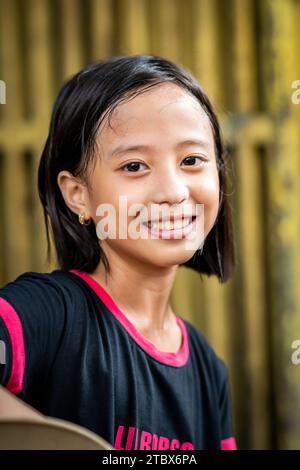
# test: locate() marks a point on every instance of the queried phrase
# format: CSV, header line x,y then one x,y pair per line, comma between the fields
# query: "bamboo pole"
x,y
280,53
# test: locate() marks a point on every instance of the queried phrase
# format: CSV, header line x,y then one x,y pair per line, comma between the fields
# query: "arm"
x,y
11,406
228,441
32,320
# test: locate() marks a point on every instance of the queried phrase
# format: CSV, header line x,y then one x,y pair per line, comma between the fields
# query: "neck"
x,y
141,292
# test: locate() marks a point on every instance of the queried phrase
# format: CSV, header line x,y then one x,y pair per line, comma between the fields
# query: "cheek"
x,y
109,188
208,194
114,207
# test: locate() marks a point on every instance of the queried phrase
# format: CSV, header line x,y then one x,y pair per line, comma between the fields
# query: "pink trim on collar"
x,y
177,359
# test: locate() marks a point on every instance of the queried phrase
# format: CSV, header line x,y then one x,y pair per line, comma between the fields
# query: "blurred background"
x,y
245,53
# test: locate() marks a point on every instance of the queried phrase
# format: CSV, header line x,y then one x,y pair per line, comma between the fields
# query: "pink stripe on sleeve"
x,y
15,331
228,444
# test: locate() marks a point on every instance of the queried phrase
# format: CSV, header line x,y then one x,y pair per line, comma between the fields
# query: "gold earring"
x,y
82,220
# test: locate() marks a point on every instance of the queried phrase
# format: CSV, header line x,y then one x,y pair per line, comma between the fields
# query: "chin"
x,y
170,260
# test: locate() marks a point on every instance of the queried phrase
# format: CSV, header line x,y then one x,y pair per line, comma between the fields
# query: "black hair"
x,y
81,106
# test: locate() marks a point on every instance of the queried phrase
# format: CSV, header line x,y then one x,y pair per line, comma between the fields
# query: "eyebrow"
x,y
120,149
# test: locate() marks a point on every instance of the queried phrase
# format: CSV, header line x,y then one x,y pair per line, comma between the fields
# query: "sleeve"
x,y
228,441
32,319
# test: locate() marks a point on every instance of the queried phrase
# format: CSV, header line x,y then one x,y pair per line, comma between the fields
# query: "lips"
x,y
169,224
172,233
170,218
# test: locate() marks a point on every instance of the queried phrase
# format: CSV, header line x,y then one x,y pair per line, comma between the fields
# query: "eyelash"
x,y
190,156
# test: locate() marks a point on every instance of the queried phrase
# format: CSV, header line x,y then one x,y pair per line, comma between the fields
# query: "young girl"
x,y
96,342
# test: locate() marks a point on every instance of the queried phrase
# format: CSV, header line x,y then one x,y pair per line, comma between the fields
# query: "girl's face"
x,y
172,164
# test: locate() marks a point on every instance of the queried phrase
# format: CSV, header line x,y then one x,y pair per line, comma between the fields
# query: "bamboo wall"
x,y
244,52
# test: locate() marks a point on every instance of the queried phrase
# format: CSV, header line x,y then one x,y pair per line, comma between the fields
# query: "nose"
x,y
170,187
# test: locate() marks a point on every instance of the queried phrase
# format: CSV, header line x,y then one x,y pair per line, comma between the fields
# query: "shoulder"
x,y
206,355
36,310
40,283
39,296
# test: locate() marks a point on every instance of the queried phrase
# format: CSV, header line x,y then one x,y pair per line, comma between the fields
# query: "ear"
x,y
74,192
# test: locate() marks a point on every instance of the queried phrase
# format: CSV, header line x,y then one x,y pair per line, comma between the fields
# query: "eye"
x,y
132,167
191,159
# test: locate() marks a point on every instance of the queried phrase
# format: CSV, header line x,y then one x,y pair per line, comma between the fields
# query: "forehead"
x,y
162,112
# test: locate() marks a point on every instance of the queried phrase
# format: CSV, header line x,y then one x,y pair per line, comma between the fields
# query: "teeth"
x,y
168,225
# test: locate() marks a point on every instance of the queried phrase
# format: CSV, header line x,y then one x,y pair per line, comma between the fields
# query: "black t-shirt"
x,y
72,354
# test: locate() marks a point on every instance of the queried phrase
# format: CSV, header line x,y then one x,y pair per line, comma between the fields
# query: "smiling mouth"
x,y
170,225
